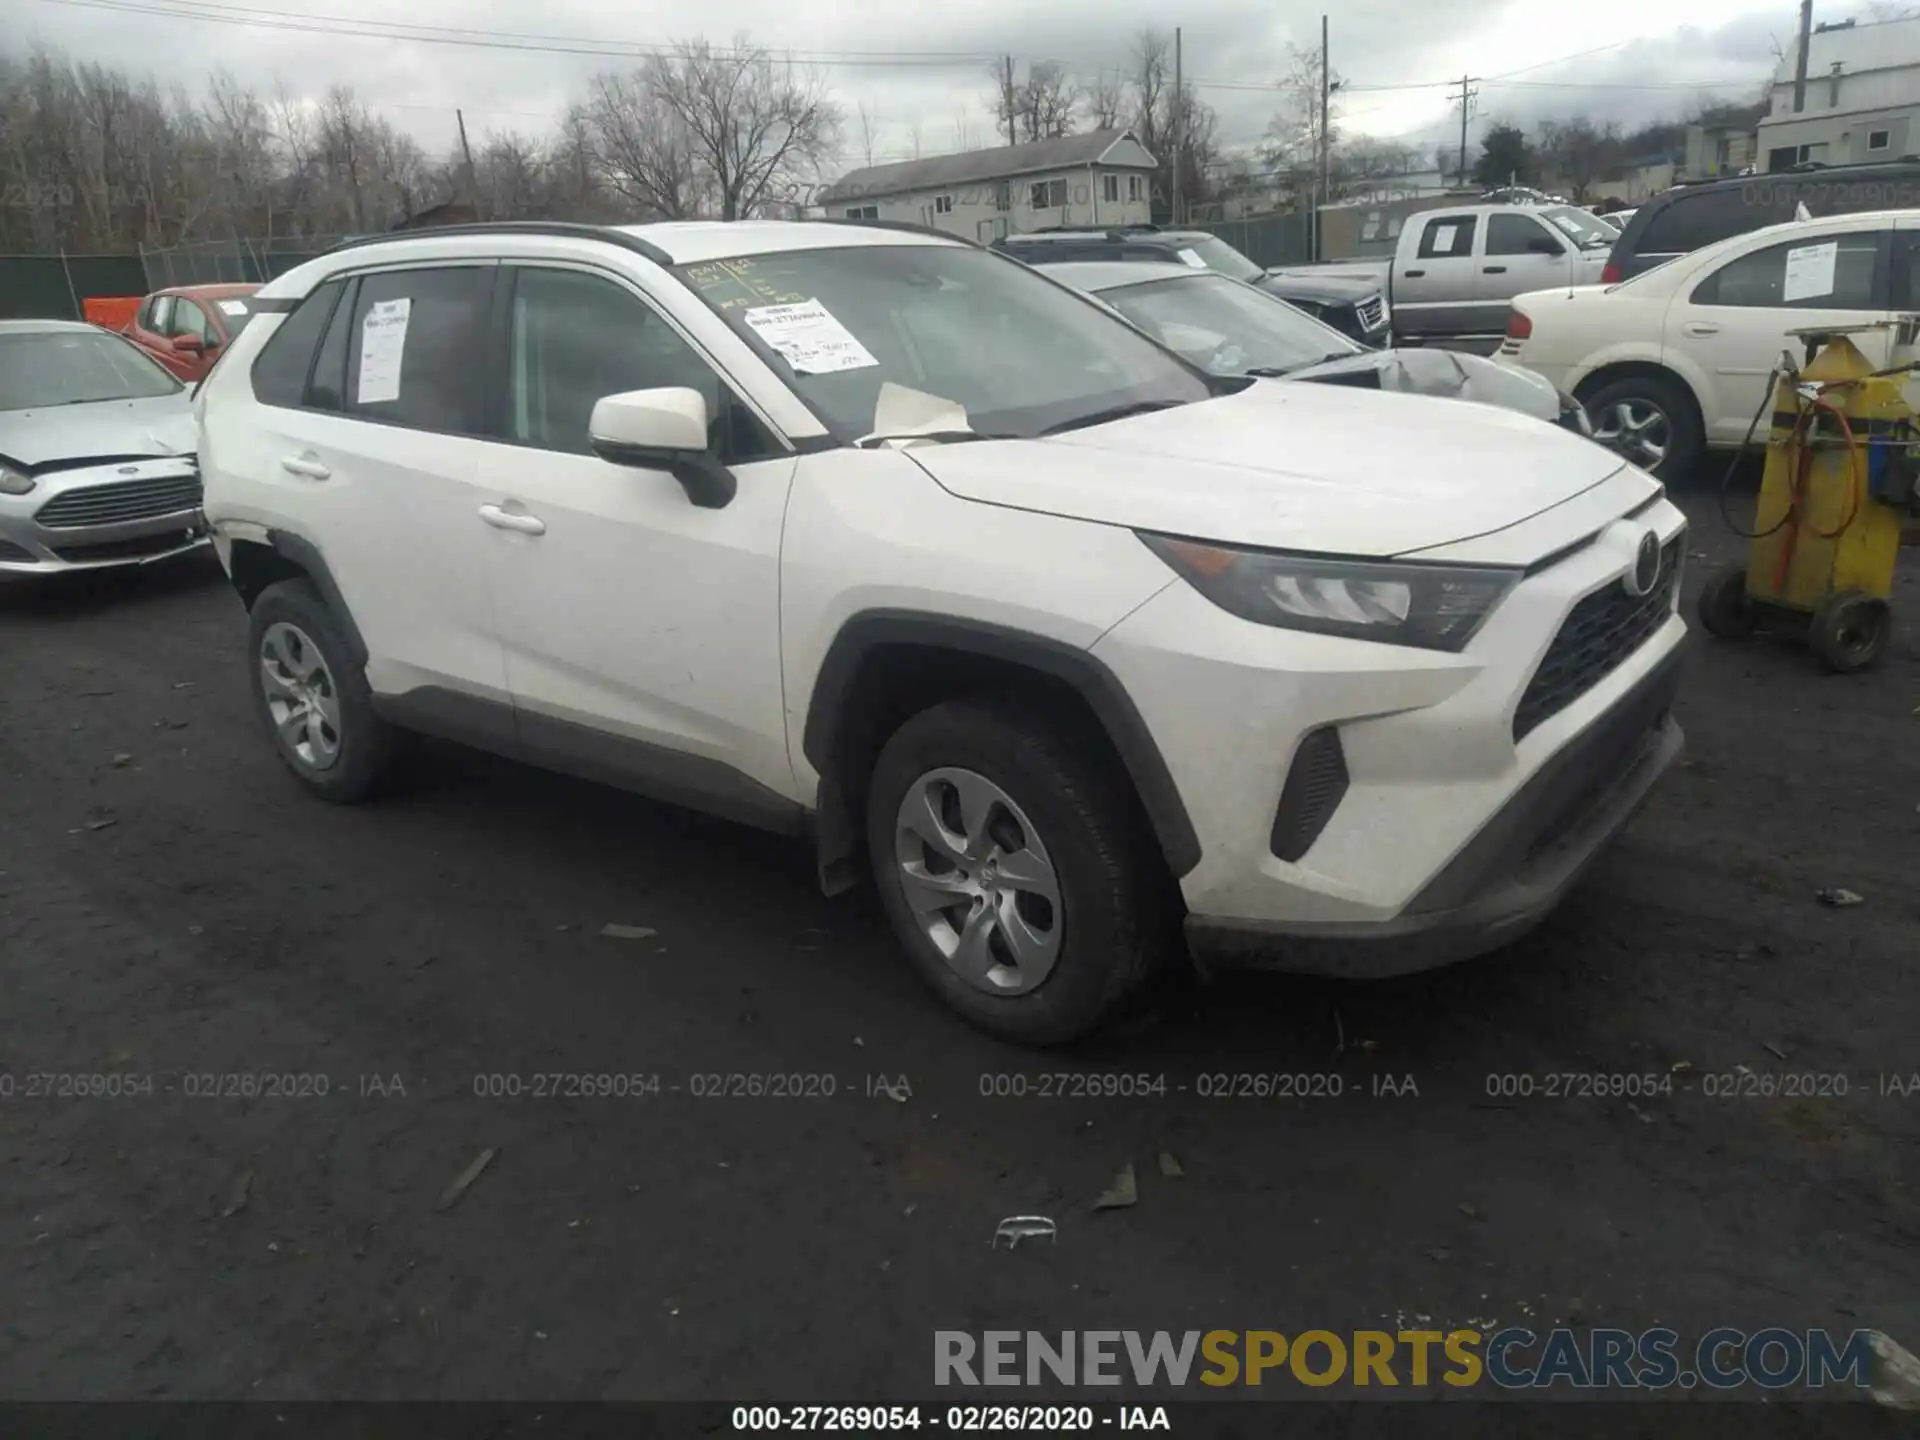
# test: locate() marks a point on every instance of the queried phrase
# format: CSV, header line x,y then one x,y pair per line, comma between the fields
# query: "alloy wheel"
x,y
1638,429
301,697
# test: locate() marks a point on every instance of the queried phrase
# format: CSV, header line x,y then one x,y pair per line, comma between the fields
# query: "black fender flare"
x,y
303,552
1105,696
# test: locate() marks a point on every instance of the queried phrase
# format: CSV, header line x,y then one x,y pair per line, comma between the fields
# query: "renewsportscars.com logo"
x,y
1509,1359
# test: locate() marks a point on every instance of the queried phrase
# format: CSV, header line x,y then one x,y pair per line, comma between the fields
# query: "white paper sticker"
x,y
808,338
383,340
1192,259
1809,272
232,307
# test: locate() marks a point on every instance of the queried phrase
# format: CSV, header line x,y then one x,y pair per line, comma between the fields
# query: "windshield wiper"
x,y
945,437
1116,412
1275,372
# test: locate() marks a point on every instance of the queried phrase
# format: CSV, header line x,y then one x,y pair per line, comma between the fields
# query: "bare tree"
x,y
913,138
1575,152
1107,101
1294,134
867,116
759,128
643,149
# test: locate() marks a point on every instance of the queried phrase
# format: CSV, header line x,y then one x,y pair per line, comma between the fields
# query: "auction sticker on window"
x,y
1809,272
232,307
808,338
1192,258
383,339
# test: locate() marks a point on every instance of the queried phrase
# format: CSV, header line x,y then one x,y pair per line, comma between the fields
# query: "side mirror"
x,y
188,345
663,429
1545,245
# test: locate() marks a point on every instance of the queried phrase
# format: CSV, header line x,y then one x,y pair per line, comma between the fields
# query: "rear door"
x,y
1734,321
1436,278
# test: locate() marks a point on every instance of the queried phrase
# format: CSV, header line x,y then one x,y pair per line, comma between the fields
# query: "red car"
x,y
185,327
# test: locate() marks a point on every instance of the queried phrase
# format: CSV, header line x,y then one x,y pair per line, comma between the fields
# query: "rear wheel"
x,y
1850,632
1016,870
314,698
1649,421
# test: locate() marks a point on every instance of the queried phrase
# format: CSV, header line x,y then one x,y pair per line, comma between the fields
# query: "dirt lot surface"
x,y
172,907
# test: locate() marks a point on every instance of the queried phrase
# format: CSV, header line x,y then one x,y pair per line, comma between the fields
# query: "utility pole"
x,y
1179,128
1800,63
1320,161
1006,96
1466,98
466,150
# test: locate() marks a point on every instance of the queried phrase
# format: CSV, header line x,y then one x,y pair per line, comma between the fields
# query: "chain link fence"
x,y
236,261
1268,240
55,287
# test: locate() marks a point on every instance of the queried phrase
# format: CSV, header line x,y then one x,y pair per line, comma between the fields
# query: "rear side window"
x,y
413,344
1691,221
280,370
1445,238
1822,272
1906,270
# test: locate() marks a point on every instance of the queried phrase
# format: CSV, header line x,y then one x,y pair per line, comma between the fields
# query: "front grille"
x,y
117,503
1371,312
134,549
1599,633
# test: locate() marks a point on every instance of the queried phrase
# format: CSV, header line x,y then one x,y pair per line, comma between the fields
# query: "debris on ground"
x,y
122,760
1895,1373
1016,1228
1680,1067
237,1200
465,1178
1170,1167
1837,897
1773,1049
1469,1209
627,932
1440,1253
102,824
1124,1191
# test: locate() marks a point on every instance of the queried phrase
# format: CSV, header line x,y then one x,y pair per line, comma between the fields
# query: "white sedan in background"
x,y
1677,360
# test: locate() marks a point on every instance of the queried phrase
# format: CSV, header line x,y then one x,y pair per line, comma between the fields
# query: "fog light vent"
x,y
1316,784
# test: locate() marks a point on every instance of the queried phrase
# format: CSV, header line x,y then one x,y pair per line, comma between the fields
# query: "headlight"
x,y
1436,607
12,482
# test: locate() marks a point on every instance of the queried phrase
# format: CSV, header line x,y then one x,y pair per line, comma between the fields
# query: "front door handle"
x,y
1702,327
1411,274
1496,269
507,520
300,465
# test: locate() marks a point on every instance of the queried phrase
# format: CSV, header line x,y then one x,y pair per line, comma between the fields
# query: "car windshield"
x,y
1221,258
1019,355
1585,230
1225,327
72,367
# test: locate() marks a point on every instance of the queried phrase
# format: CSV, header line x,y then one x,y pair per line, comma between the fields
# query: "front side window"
x,y
413,343
73,367
1832,272
1226,327
159,315
190,319
1513,235
577,338
281,368
1445,238
1016,353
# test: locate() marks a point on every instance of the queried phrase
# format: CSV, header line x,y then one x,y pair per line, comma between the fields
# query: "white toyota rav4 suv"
x,y
874,536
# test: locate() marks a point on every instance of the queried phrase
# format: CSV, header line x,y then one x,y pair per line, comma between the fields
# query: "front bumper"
x,y
1515,871
95,519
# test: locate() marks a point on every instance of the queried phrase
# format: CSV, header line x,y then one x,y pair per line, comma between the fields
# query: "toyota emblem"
x,y
1646,567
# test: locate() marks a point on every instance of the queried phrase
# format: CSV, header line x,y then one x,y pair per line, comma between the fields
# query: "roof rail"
x,y
907,226
576,229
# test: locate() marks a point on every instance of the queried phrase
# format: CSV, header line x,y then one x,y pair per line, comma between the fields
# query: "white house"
x,y
1104,177
1862,98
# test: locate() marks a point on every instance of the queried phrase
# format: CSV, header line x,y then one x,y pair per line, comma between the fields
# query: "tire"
x,y
291,632
1649,420
1059,814
1725,611
1850,632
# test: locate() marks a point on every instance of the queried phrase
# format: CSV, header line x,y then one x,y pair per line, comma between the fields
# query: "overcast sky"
x,y
925,66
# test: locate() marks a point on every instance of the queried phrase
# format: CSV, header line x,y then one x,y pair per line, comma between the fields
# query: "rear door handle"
x,y
300,465
507,520
1496,269
1412,274
1702,327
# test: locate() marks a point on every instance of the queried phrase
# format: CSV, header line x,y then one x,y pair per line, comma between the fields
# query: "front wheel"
x,y
313,698
1017,870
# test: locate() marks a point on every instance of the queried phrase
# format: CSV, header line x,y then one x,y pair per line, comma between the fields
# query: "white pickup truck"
x,y
1456,270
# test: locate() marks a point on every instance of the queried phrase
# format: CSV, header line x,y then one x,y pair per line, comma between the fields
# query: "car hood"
x,y
1294,467
102,429
1443,374
1346,285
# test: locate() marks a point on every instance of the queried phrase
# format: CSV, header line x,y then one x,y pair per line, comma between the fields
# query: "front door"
x,y
641,632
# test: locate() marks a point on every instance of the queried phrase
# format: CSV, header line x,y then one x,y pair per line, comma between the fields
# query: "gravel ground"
x,y
172,907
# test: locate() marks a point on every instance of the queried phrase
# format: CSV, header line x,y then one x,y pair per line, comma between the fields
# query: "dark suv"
x,y
1355,306
1690,216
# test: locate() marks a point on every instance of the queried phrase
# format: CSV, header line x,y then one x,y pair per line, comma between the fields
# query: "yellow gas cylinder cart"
x,y
1838,486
